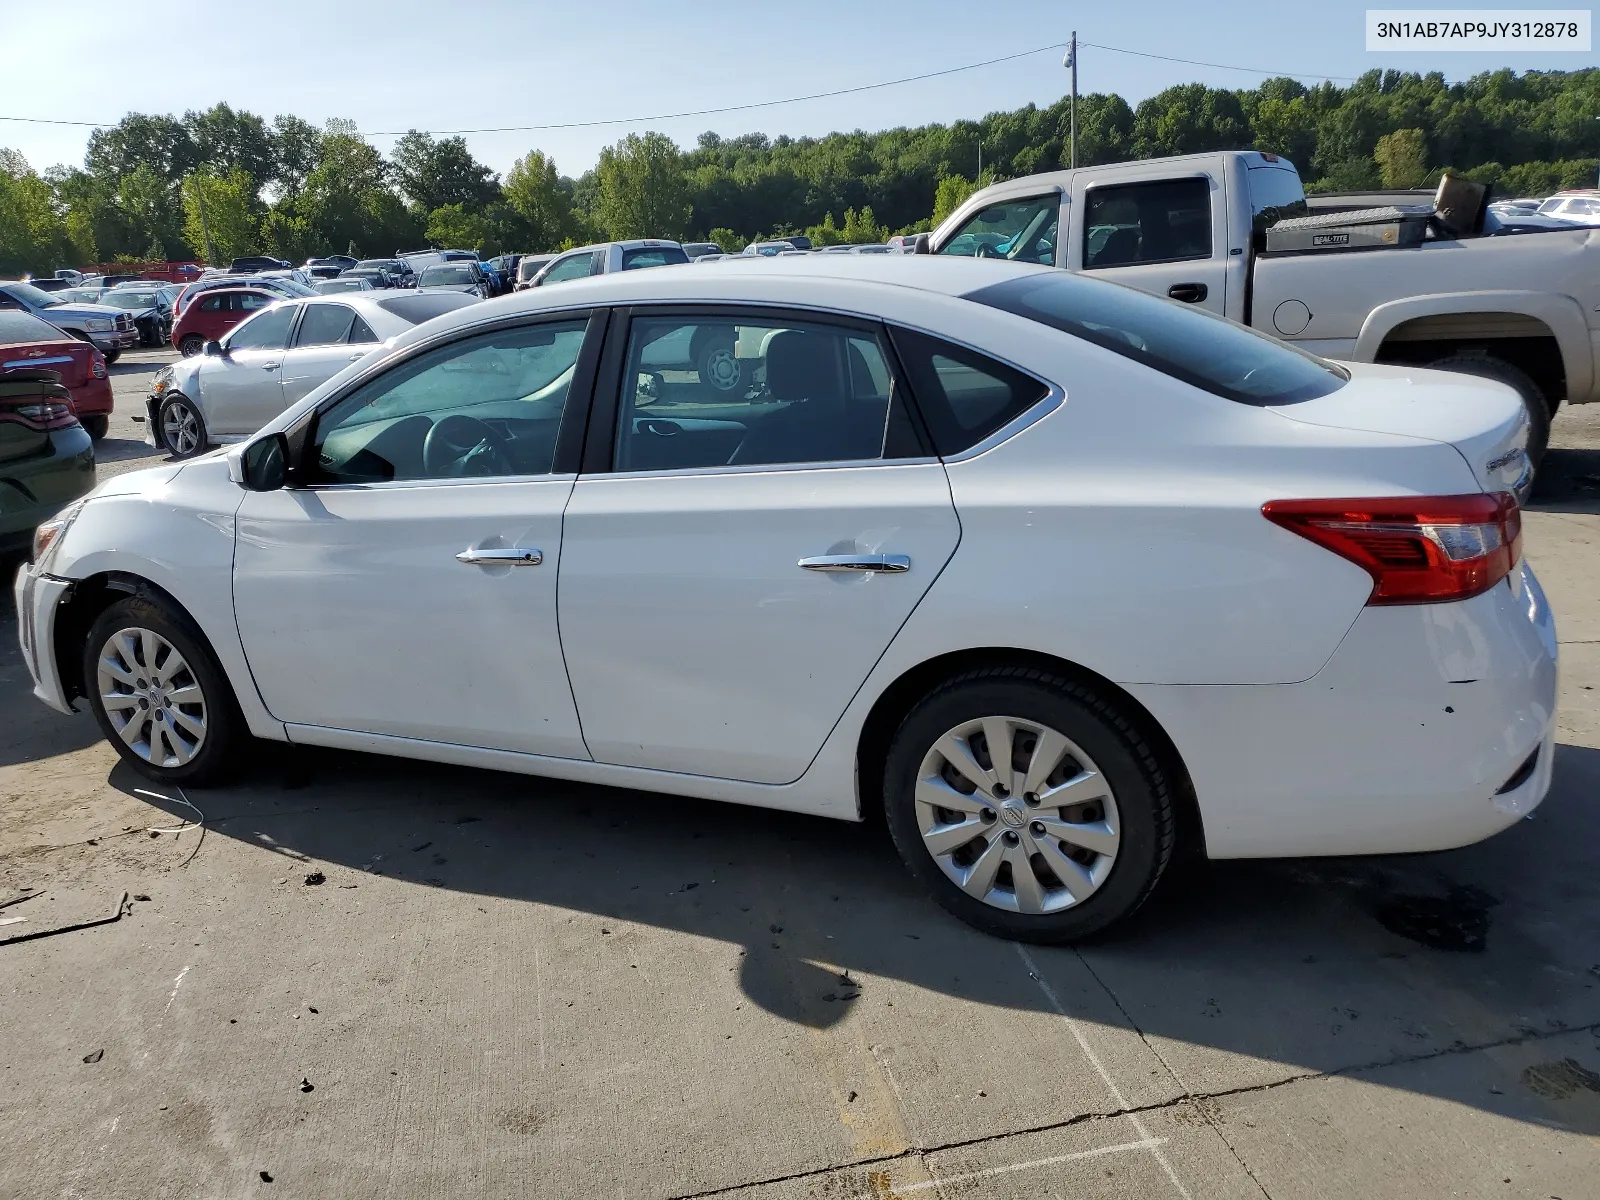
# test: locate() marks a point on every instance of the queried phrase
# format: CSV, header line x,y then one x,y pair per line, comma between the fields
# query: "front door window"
x,y
1022,230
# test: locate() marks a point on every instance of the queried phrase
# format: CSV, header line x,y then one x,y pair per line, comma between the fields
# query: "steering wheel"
x,y
460,446
985,250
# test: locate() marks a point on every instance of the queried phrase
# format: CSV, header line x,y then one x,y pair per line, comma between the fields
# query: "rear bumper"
x,y
38,598
33,489
93,398
1405,741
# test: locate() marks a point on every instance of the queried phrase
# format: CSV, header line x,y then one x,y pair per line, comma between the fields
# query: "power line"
x,y
733,108
1190,62
709,112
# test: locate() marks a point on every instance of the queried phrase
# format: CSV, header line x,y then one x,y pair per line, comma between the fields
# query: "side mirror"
x,y
265,463
923,244
214,348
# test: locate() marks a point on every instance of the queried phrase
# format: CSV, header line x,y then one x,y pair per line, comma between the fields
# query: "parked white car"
x,y
1582,207
270,360
1058,574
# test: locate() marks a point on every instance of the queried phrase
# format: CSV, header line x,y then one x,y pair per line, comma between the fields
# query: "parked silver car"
x,y
603,258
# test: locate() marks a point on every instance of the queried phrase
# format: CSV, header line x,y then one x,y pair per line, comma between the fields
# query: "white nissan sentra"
x,y
1058,574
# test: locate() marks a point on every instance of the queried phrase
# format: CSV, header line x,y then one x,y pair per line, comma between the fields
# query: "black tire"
x,y
202,439
1498,369
225,734
112,356
97,426
1130,766
191,345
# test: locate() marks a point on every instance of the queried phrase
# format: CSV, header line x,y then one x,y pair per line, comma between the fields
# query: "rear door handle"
x,y
513,556
269,366
1189,293
877,564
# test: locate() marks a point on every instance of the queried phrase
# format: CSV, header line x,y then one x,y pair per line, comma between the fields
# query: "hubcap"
x,y
151,697
722,369
181,427
1017,815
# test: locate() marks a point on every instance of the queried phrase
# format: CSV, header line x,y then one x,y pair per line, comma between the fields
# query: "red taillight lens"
x,y
97,365
42,415
1418,549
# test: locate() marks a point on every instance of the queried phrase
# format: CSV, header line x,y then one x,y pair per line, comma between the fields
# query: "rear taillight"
x,y
97,365
42,415
1418,549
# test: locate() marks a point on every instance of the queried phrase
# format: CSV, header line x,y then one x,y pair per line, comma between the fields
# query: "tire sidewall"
x,y
199,345
223,721
1514,377
1137,785
204,439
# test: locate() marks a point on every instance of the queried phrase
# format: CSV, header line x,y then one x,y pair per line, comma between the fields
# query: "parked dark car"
x,y
252,263
151,311
46,455
378,277
529,266
322,270
49,285
398,271
456,277
700,249
29,345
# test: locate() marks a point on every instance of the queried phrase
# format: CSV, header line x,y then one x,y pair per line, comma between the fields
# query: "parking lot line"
x,y
1154,1144
1146,1143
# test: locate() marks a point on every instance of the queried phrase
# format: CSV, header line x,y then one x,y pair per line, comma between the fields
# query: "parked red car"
x,y
214,313
28,344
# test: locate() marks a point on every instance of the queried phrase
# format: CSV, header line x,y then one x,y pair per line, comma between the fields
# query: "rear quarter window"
x,y
964,396
1208,352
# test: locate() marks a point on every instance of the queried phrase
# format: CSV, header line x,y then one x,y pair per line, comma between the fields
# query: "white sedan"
x,y
273,359
1058,575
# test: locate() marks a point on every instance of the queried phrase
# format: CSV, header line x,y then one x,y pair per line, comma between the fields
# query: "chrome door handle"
x,y
269,366
510,557
878,564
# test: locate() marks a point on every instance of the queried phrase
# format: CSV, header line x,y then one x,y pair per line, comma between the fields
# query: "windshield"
x,y
447,274
31,295
133,300
1208,352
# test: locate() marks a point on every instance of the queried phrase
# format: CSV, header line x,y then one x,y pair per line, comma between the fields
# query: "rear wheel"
x,y
97,426
159,694
1028,805
182,427
1533,400
191,345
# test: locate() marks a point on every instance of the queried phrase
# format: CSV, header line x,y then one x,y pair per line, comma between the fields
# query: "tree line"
x,y
219,183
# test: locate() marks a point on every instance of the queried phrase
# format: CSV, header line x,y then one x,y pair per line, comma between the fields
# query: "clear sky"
x,y
457,64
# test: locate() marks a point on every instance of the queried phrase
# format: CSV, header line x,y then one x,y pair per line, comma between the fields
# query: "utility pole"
x,y
1071,62
205,229
980,158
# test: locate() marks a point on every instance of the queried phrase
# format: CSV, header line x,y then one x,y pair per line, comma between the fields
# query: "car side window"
x,y
1165,220
324,325
576,267
720,391
265,331
963,396
212,304
489,405
250,301
361,332
1022,230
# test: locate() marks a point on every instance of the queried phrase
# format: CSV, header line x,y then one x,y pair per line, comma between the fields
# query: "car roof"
x,y
847,283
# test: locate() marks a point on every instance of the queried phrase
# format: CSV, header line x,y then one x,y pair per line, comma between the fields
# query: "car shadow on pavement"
x,y
1304,966
1568,481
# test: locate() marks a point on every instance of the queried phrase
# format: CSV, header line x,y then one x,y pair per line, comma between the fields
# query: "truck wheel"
x,y
112,356
716,360
1518,380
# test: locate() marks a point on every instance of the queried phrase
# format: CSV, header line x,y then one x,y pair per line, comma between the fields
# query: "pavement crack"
x,y
1201,1101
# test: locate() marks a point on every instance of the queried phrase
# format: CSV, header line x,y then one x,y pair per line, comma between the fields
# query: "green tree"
x,y
346,200
163,144
825,234
953,191
33,235
642,189
452,227
861,227
730,241
1402,158
297,148
152,213
226,141
288,236
224,207
437,174
534,189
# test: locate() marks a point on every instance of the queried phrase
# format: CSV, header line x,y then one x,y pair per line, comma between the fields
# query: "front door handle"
x,y
513,556
1189,293
269,366
878,564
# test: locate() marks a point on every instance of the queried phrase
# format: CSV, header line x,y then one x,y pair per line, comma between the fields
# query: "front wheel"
x,y
1028,805
182,427
716,359
159,694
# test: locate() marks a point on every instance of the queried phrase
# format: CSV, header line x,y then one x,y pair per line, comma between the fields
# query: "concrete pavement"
x,y
509,987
